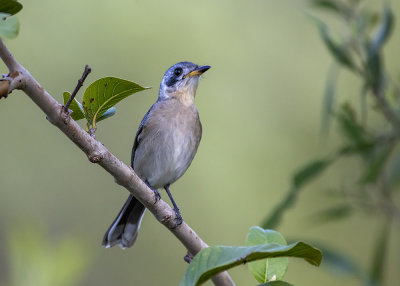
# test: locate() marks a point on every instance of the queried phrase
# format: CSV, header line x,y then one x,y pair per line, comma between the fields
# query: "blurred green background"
x,y
260,106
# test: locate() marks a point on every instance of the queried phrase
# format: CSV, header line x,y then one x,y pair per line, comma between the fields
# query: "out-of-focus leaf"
x,y
374,61
310,171
215,259
363,103
340,53
77,109
11,7
105,93
384,31
267,269
334,213
374,75
370,19
380,252
306,174
273,220
276,283
394,170
9,26
332,6
350,127
329,99
376,165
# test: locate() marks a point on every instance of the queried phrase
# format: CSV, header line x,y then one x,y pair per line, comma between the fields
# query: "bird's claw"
x,y
157,196
178,218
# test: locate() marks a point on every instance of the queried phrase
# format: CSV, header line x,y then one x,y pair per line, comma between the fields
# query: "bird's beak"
x,y
197,71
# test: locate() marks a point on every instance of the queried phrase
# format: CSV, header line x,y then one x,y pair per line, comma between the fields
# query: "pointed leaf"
x,y
9,26
310,171
306,174
332,213
374,61
394,171
105,93
340,53
215,259
267,269
327,5
329,99
75,106
351,128
376,165
380,253
384,31
11,7
275,217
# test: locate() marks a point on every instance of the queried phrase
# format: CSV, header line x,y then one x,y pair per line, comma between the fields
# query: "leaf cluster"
x,y
266,254
100,98
359,51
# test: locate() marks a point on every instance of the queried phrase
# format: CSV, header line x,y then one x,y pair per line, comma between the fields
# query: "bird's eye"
x,y
178,71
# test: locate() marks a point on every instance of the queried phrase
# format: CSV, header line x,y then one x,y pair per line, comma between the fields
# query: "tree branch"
x,y
20,78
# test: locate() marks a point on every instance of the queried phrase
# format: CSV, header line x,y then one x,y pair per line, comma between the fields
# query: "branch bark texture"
x,y
20,78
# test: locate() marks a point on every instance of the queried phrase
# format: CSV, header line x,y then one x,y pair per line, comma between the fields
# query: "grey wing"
x,y
139,131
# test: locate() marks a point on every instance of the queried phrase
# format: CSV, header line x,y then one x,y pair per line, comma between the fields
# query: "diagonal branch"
x,y
20,78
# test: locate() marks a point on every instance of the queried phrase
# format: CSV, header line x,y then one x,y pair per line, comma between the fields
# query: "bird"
x,y
164,146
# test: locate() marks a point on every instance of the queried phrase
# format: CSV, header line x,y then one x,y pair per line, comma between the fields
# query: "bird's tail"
x,y
124,230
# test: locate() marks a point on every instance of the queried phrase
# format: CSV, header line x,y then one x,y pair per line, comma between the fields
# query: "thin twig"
x,y
86,72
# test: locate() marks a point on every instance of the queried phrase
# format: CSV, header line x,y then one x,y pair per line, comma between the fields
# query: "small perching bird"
x,y
164,147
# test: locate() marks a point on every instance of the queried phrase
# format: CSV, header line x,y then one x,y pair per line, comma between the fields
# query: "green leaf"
x,y
352,130
215,259
329,99
11,7
340,53
380,253
77,109
327,5
276,283
274,219
376,164
306,174
374,61
333,213
383,33
105,93
310,171
267,269
9,26
394,170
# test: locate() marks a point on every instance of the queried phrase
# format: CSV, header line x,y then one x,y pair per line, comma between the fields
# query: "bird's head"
x,y
181,81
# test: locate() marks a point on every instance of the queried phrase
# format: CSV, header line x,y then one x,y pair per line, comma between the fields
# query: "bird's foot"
x,y
188,257
156,193
178,217
157,196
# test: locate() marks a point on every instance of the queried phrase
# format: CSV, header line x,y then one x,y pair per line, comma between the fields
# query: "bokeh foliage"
x,y
258,106
360,51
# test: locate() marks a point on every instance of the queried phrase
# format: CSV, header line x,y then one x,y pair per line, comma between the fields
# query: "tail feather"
x,y
124,230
